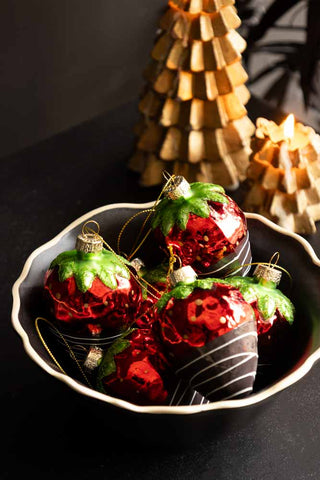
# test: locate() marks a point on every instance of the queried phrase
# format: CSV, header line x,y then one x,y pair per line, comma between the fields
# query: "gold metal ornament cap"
x,y
93,358
269,273
177,188
183,274
89,241
137,264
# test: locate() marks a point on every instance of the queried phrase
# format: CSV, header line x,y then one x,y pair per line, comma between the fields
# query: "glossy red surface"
x,y
205,241
100,307
203,316
139,369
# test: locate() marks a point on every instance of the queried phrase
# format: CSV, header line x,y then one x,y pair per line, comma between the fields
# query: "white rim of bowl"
x,y
282,384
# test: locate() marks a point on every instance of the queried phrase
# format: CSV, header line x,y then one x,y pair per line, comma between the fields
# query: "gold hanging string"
x,y
269,265
141,282
276,255
44,343
86,230
132,254
172,260
167,176
149,210
169,179
147,284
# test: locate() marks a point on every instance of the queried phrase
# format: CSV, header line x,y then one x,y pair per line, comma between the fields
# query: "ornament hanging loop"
x,y
178,259
268,271
166,175
89,241
273,263
88,231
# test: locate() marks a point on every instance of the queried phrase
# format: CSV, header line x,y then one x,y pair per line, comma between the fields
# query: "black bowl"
x,y
185,423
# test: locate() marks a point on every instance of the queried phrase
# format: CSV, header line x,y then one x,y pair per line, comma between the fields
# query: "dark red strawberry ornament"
x,y
91,289
133,369
210,332
273,310
204,227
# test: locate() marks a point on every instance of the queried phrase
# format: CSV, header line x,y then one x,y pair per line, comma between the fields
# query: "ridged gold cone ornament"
x,y
201,6
193,116
284,176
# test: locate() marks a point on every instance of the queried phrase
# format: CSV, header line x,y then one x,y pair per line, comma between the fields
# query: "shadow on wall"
x,y
65,62
275,59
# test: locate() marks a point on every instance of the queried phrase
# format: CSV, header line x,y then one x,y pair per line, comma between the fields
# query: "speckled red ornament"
x,y
133,369
210,331
203,316
99,308
205,228
92,291
274,311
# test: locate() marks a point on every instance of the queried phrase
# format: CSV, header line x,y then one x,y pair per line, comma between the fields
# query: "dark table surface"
x,y
44,188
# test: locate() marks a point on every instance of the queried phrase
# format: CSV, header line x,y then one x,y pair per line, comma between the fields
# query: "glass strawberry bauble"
x,y
204,228
273,310
210,332
92,289
133,369
269,303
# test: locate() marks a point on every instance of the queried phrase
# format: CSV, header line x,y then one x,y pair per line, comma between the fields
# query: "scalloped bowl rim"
x,y
256,398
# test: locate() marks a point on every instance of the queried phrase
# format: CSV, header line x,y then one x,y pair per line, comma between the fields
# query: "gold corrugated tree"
x,y
193,117
284,176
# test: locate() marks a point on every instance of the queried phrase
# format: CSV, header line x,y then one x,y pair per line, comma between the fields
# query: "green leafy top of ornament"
x,y
108,365
85,267
183,290
176,212
265,293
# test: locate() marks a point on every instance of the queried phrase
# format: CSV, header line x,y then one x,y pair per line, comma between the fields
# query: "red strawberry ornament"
x,y
204,227
273,310
134,368
91,289
210,331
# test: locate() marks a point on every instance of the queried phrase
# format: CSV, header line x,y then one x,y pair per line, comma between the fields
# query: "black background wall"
x,y
63,62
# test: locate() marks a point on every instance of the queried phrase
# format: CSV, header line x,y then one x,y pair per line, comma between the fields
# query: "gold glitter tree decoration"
x,y
193,117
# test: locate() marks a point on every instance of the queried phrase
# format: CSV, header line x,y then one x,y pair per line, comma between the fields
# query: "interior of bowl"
x,y
266,239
